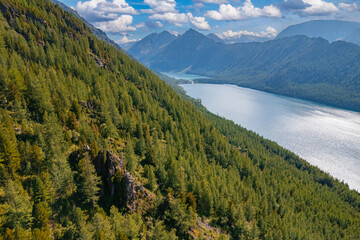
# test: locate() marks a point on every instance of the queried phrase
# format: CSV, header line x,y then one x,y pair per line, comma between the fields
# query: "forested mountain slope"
x,y
95,146
97,32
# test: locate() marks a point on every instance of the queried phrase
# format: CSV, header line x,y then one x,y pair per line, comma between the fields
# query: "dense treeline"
x,y
66,98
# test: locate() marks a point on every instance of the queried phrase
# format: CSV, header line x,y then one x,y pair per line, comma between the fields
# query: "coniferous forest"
x,y
93,145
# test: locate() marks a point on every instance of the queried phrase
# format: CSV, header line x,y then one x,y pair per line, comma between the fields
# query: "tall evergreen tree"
x,y
89,181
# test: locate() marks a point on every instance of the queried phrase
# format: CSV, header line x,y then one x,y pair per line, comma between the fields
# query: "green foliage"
x,y
9,155
89,185
17,206
59,107
159,232
102,227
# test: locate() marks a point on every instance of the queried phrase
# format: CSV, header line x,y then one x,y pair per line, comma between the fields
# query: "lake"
x,y
183,76
326,137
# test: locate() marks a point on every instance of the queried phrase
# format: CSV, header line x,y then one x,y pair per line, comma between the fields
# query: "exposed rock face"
x,y
99,62
125,192
113,163
106,165
99,163
129,190
142,191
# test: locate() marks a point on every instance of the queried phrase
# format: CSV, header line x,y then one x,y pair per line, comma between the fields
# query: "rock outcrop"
x,y
118,183
129,190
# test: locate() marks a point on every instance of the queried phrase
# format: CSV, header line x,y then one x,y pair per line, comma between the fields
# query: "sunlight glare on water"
x,y
324,136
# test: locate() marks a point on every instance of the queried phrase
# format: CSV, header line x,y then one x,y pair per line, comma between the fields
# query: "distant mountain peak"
x,y
215,38
165,32
192,31
331,30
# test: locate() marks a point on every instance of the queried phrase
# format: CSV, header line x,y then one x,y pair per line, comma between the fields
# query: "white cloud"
x,y
175,33
102,10
178,19
294,5
199,22
318,7
246,11
160,6
213,1
149,24
349,7
121,24
268,33
165,10
140,25
198,6
125,40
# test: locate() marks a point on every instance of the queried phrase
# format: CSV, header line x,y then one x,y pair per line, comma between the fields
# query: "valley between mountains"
x,y
94,145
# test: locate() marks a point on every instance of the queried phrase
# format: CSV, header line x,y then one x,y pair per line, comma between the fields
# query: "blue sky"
x,y
130,20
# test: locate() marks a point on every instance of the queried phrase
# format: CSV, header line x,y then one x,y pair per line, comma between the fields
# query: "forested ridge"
x,y
93,145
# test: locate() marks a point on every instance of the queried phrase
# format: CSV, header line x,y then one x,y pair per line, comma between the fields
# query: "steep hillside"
x,y
95,146
97,32
331,30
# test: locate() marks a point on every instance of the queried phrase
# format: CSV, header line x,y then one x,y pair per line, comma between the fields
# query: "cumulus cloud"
x,y
311,7
349,7
246,11
231,35
198,6
153,24
164,10
213,1
294,5
103,10
125,40
160,6
178,19
199,22
119,25
149,24
318,7
175,33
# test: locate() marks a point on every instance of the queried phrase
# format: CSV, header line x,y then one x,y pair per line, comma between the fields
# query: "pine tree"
x,y
131,159
102,227
18,206
9,153
158,232
89,181
151,185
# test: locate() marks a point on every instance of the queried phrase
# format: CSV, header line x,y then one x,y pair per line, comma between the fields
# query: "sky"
x,y
130,20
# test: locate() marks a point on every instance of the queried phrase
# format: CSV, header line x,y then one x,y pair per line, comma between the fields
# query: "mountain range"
x,y
151,45
93,145
331,30
299,66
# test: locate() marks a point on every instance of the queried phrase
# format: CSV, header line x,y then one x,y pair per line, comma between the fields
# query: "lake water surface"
x,y
324,136
184,76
